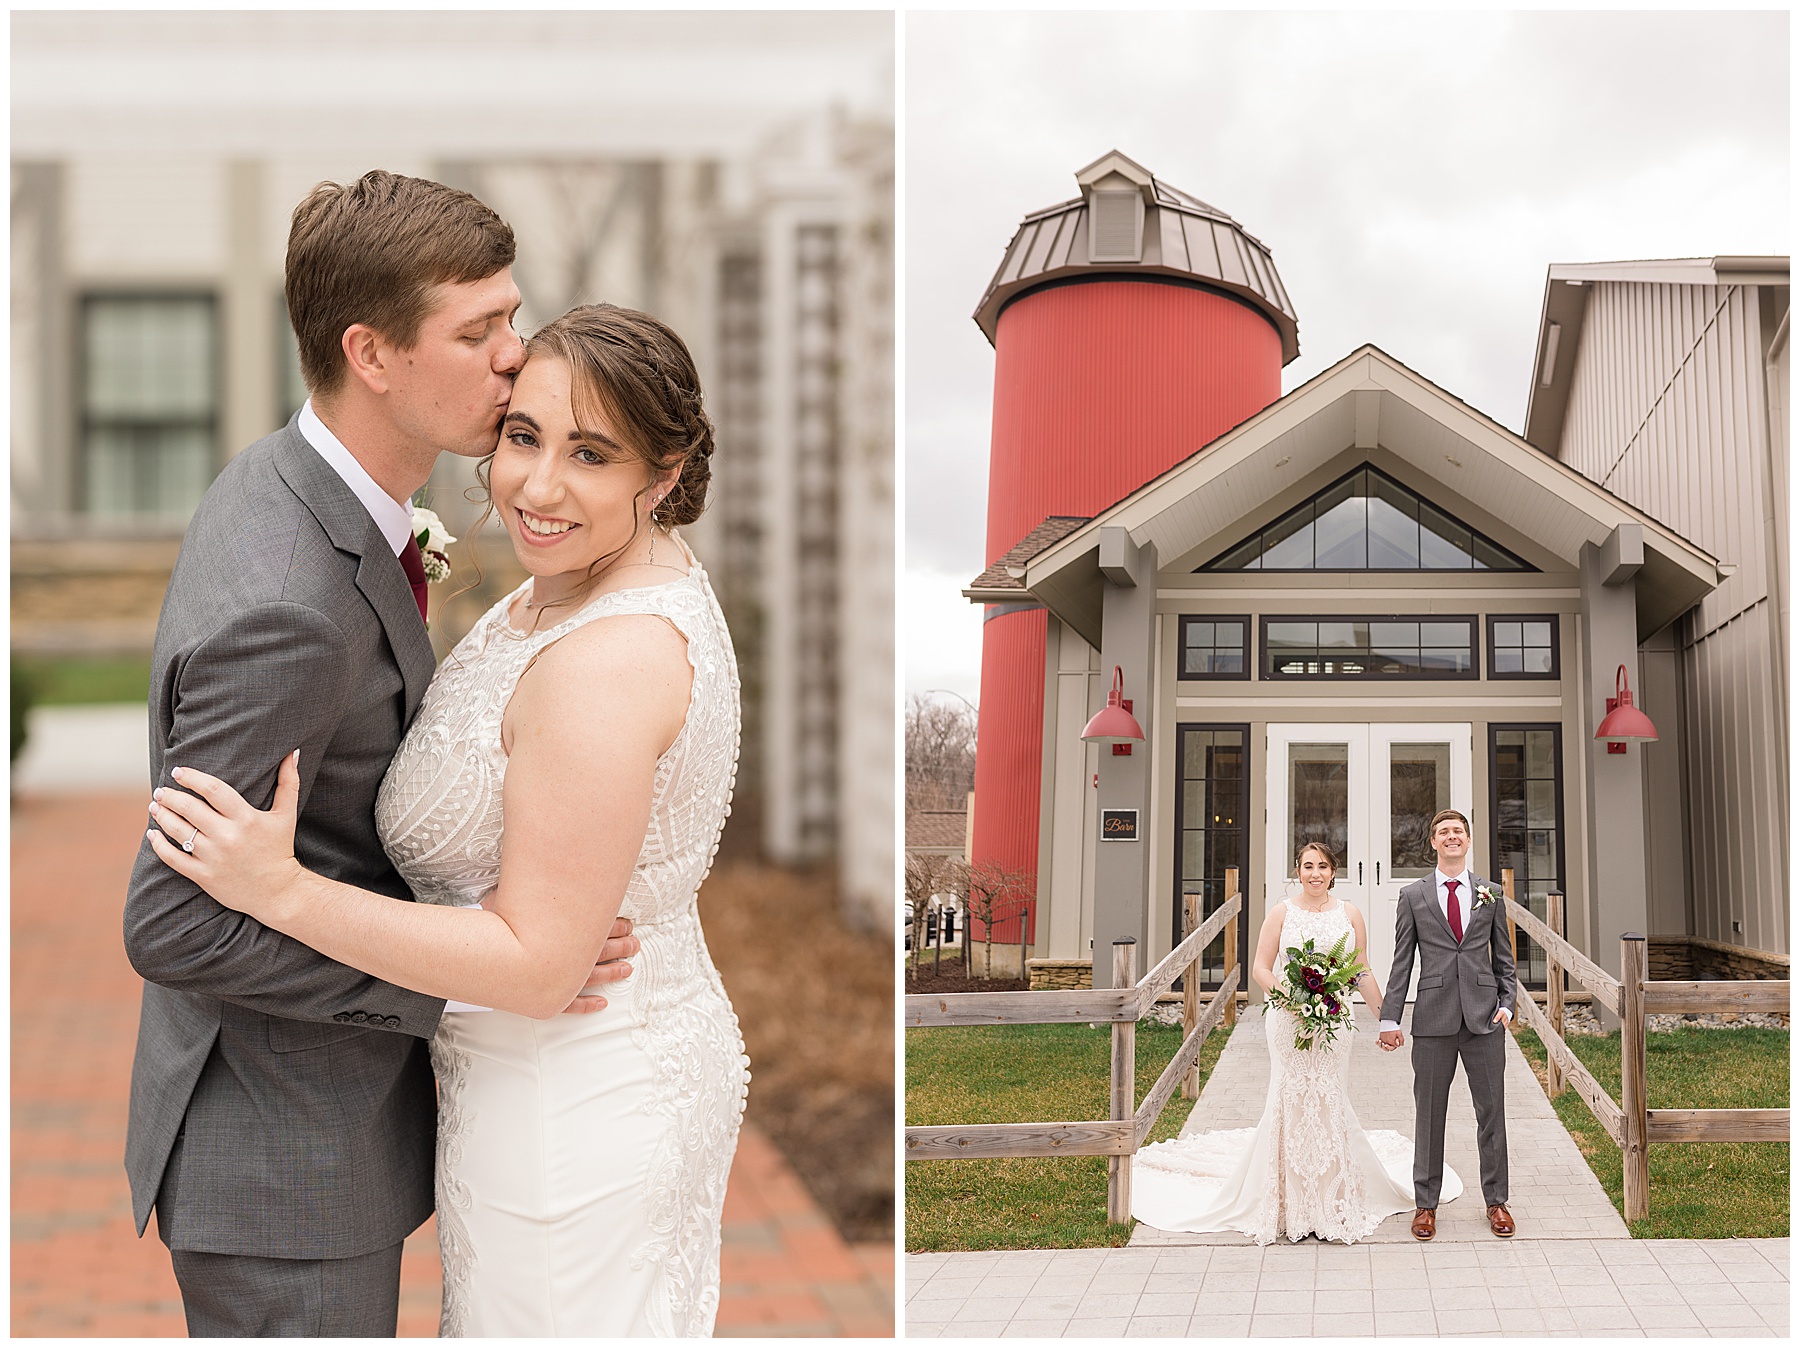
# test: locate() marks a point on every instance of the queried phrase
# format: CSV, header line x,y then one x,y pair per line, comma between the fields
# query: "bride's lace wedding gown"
x,y
1307,1167
581,1159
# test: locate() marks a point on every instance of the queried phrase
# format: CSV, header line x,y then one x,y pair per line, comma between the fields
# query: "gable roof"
x,y
1367,401
1566,291
937,830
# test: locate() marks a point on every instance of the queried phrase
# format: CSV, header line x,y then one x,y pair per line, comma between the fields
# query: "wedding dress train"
x,y
1307,1167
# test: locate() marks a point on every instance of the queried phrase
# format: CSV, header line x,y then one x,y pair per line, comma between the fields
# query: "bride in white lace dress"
x,y
1307,1168
573,760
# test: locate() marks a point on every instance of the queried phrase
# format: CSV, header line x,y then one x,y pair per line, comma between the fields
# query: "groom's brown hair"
x,y
1441,816
370,252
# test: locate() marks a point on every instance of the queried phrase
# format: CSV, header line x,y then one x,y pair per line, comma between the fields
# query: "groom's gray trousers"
x,y
1434,1059
282,1112
239,1296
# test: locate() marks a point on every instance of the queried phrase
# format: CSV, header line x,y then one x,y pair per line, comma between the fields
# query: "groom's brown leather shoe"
x,y
1424,1225
1500,1221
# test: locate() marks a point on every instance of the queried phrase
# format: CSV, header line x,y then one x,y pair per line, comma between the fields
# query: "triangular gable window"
x,y
1366,521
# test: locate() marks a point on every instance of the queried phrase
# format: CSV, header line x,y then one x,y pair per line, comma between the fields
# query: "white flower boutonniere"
x,y
433,538
1484,897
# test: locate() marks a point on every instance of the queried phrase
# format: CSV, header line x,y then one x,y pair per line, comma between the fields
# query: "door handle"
x,y
1359,867
1377,872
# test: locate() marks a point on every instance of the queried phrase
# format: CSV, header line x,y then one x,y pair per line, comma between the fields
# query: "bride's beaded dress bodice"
x,y
441,804
1323,928
669,1026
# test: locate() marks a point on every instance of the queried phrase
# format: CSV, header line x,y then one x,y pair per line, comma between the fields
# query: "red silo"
x,y
1131,327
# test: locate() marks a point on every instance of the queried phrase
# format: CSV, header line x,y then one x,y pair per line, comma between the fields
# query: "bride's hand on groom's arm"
x,y
242,856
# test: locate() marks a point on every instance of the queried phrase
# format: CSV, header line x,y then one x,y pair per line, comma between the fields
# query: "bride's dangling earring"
x,y
653,504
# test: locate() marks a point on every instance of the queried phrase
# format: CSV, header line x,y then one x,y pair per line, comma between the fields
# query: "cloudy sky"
x,y
1413,173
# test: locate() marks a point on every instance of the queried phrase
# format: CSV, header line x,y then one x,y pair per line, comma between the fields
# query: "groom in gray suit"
x,y
283,1117
1454,922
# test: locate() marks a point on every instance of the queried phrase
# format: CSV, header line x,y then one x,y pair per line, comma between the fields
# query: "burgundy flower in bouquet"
x,y
1315,989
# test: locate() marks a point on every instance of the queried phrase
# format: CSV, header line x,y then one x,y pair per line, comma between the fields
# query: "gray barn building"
x,y
1370,601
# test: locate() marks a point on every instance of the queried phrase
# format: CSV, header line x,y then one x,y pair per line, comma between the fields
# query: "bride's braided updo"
x,y
634,371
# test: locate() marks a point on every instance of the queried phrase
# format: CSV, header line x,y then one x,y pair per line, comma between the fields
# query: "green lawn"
x,y
82,680
1698,1190
1024,1074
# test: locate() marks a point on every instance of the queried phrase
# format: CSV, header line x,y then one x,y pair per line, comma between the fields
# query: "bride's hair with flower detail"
x,y
1324,851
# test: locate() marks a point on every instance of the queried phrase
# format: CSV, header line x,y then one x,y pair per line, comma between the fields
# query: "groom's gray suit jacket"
x,y
1458,984
300,1089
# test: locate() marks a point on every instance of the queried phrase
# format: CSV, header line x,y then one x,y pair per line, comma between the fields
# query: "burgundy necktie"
x,y
412,561
1455,910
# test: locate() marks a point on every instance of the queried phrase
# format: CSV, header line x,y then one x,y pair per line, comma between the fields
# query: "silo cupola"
x,y
1126,221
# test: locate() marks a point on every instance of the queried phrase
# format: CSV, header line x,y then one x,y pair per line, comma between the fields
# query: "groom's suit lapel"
x,y
1428,897
379,575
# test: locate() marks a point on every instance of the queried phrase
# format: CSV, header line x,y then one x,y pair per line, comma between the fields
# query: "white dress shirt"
x,y
1465,886
393,518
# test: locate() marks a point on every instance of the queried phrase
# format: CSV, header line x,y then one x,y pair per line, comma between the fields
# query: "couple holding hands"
x,y
1308,1167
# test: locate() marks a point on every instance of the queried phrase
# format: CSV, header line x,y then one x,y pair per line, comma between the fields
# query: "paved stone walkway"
x,y
1553,1194
1545,1288
1572,1271
78,1268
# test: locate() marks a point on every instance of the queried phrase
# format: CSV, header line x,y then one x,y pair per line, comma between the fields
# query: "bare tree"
x,y
940,753
997,892
929,874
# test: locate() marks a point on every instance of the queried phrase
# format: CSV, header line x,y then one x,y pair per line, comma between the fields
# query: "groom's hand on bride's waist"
x,y
609,968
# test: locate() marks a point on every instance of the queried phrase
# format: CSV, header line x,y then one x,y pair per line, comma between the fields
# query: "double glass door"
x,y
1368,792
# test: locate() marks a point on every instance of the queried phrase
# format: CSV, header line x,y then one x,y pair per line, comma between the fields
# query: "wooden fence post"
x,y
1024,918
1553,981
1124,1083
1231,951
1512,929
1190,992
1632,1094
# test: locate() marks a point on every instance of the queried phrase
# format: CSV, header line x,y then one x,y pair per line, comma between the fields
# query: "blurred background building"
x,y
731,173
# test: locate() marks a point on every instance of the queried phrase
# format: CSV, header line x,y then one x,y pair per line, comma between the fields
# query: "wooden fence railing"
x,y
1629,1122
1128,1001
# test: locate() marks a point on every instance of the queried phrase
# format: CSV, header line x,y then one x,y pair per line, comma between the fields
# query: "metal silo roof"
x,y
1182,237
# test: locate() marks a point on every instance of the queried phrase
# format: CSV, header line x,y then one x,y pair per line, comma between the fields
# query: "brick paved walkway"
x,y
77,1267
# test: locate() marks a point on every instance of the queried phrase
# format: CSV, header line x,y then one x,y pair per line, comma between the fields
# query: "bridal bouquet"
x,y
1315,989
